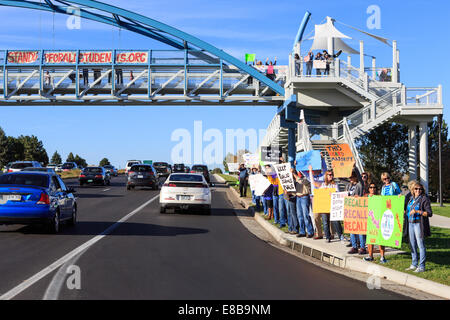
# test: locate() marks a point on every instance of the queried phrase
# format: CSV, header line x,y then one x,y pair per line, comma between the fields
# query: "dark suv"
x,y
200,168
162,168
142,175
179,168
94,175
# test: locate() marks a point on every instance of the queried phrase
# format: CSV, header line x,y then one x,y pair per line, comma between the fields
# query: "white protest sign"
x,y
251,160
260,184
233,167
337,206
285,176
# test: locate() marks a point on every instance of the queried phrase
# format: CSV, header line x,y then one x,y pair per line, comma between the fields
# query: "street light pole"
x,y
440,160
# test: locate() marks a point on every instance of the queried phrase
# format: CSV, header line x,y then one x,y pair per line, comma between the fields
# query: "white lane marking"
x,y
44,272
106,189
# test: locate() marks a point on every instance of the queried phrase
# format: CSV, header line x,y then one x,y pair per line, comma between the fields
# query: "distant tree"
x,y
33,149
217,171
70,158
56,158
80,161
14,150
3,148
385,149
104,162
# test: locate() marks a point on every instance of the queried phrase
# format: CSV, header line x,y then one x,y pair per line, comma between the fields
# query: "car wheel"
x,y
73,219
162,209
54,225
207,211
81,184
128,188
109,182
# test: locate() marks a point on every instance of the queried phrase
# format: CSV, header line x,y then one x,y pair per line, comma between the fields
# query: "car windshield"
x,y
179,166
93,170
39,180
68,165
141,168
21,165
186,177
132,163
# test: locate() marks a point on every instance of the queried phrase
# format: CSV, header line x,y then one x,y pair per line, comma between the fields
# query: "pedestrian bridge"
x,y
130,77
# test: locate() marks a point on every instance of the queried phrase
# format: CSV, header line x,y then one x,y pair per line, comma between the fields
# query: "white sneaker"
x,y
419,269
411,267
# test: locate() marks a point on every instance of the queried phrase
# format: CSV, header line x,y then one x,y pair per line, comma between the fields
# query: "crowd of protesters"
x,y
292,209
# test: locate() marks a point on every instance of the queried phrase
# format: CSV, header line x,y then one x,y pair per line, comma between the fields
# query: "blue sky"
x,y
267,28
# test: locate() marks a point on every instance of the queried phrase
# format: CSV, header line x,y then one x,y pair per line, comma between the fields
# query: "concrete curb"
x,y
352,263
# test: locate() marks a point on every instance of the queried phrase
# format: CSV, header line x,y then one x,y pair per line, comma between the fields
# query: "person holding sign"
x,y
373,190
418,211
256,199
328,183
303,192
355,189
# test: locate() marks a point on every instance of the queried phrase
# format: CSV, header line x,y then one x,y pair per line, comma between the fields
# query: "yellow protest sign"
x,y
342,160
322,200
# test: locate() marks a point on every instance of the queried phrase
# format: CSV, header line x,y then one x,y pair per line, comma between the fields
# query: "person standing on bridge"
x,y
86,76
270,73
309,63
318,70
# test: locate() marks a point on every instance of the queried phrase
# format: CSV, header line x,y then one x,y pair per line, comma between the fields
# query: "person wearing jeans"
x,y
243,180
292,212
355,189
303,190
418,211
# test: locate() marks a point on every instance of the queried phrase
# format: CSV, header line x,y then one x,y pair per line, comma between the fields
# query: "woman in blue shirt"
x,y
418,211
390,188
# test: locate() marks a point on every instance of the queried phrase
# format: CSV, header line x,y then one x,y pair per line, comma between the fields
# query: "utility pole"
x,y
440,160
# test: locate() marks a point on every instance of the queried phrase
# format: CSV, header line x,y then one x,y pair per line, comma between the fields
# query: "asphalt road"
x,y
161,256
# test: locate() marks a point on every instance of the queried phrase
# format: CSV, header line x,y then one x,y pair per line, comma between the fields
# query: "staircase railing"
x,y
350,141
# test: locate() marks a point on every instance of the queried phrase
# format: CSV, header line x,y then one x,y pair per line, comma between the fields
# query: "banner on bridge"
x,y
23,57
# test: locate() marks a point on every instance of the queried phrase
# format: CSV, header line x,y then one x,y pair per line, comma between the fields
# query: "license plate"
x,y
13,197
90,180
140,176
184,197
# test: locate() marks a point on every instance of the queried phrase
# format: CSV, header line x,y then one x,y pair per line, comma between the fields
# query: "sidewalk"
x,y
335,253
440,221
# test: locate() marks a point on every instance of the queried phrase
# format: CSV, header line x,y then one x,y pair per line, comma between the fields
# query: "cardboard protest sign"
x,y
250,57
355,215
342,160
285,176
385,220
322,200
337,206
259,183
304,159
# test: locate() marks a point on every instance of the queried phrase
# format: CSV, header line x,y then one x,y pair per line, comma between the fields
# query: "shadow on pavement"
x,y
94,228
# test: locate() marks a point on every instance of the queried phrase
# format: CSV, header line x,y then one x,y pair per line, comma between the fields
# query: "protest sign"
x,y
285,176
355,215
22,57
319,64
270,154
337,206
342,160
250,57
307,158
322,200
251,160
259,183
385,220
233,167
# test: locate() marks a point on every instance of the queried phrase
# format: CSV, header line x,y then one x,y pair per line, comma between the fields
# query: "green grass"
x,y
442,211
438,257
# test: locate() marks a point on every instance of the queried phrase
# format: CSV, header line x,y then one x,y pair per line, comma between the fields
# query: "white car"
x,y
185,191
131,163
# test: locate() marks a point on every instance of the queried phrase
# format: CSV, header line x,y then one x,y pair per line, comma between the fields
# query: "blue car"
x,y
36,198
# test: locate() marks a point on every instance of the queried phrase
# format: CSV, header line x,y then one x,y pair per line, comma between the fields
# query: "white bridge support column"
x,y
424,155
412,159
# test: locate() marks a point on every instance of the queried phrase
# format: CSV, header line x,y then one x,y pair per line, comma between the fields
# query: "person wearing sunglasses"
x,y
390,188
355,189
418,211
373,190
